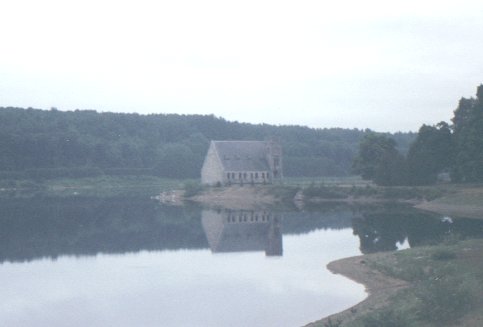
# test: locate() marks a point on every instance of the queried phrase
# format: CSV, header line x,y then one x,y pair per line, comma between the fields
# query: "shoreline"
x,y
236,198
465,211
464,203
379,288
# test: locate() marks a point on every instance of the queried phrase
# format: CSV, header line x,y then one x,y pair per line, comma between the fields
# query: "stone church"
x,y
242,162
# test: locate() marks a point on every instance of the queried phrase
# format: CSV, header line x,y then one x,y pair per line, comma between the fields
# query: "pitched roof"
x,y
242,155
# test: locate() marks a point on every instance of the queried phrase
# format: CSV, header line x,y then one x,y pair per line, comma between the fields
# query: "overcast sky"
x,y
384,65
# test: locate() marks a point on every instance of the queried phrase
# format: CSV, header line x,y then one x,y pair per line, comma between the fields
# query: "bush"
x,y
192,189
325,192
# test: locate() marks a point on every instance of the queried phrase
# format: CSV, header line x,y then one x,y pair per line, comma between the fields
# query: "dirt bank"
x,y
236,197
464,201
379,287
453,210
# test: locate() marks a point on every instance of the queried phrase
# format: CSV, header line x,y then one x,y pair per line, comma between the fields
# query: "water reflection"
x,y
52,227
125,262
149,281
243,231
382,228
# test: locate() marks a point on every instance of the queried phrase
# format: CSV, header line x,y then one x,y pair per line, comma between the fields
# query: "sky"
x,y
384,65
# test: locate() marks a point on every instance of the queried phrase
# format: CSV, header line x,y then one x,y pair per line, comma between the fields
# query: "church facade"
x,y
242,162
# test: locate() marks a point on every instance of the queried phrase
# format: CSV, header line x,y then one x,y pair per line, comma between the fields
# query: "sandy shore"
x,y
379,287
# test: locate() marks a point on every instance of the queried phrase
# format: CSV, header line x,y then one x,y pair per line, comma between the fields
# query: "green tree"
x,y
430,154
165,144
468,139
177,161
378,160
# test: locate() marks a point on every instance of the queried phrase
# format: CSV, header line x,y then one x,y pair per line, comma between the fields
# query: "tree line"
x,y
441,151
51,143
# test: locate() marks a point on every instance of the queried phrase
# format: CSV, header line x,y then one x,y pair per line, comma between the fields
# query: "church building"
x,y
242,162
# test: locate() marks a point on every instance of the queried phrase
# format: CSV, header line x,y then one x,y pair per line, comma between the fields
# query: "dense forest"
x,y
51,143
441,152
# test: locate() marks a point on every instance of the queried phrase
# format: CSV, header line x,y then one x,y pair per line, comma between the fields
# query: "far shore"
x,y
452,210
451,200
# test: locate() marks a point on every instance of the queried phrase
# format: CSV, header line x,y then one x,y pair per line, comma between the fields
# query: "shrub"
x,y
325,192
192,189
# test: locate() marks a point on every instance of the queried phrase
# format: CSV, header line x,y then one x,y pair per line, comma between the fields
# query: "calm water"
x,y
133,262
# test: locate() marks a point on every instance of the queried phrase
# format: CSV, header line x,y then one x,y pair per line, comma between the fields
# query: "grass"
x,y
464,195
447,286
101,186
346,181
340,192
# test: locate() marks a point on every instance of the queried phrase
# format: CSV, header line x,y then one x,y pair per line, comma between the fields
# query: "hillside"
x,y
50,143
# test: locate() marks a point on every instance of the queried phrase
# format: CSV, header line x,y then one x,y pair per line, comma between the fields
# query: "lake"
x,y
83,261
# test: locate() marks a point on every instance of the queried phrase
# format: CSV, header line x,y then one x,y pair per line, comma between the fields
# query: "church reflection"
x,y
243,231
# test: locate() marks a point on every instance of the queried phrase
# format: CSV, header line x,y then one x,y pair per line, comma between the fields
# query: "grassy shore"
x,y
100,186
426,286
459,200
438,285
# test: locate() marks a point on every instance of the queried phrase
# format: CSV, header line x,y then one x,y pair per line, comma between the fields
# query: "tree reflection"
x,y
383,228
